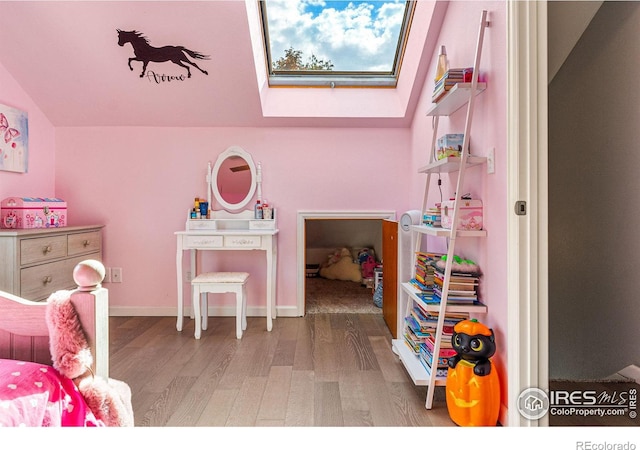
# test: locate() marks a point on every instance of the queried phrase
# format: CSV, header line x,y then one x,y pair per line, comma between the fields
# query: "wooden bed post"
x,y
91,302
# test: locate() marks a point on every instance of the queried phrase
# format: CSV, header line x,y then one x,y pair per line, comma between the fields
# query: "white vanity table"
x,y
231,229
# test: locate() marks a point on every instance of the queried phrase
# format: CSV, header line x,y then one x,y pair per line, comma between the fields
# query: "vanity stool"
x,y
217,283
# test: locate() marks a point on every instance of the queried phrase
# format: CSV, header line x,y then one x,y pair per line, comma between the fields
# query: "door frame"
x,y
527,180
301,239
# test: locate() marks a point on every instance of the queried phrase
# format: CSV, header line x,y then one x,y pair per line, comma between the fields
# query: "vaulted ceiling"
x,y
66,57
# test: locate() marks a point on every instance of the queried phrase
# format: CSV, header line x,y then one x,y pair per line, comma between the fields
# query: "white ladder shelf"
x,y
460,95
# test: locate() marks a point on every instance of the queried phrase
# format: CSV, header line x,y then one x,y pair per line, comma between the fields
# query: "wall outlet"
x,y
491,160
107,275
187,276
116,275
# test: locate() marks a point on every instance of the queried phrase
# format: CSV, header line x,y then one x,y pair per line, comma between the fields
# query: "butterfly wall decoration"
x,y
13,139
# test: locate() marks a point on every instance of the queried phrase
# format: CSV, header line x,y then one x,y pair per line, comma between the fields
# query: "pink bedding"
x,y
37,395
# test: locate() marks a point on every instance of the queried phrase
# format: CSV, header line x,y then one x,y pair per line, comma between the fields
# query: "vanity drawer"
x,y
202,242
42,249
80,243
242,241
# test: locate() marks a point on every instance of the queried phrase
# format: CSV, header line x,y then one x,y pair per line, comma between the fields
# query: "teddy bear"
x,y
108,399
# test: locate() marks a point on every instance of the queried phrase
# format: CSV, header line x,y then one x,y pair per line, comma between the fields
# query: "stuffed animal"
x,y
109,400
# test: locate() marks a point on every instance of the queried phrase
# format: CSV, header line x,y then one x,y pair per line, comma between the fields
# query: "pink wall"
x,y
140,182
39,179
459,34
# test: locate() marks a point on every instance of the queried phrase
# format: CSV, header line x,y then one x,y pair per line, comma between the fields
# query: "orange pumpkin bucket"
x,y
473,386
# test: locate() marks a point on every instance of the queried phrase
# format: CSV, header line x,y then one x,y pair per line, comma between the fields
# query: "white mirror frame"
x,y
233,151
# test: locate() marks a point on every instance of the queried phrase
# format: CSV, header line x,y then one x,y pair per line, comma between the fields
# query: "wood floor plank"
x,y
328,409
325,355
388,362
408,409
218,407
212,366
273,406
285,353
358,345
163,406
303,357
355,408
379,399
245,408
300,404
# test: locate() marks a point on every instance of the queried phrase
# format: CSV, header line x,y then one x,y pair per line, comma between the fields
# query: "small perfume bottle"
x,y
443,64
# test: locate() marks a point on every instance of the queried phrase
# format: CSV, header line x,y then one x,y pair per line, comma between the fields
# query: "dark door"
x,y
390,274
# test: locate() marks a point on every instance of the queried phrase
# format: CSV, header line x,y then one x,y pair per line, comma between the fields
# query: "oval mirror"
x,y
233,179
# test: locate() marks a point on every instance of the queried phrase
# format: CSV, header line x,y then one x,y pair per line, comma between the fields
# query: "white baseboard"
x,y
152,311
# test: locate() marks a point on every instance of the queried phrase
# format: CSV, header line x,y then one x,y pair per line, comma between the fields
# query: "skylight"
x,y
334,43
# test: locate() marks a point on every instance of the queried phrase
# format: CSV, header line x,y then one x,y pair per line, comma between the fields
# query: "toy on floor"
x,y
473,386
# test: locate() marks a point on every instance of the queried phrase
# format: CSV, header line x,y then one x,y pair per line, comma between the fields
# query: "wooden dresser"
x,y
36,262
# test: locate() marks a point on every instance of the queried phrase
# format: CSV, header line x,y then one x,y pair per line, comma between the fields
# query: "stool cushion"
x,y
221,277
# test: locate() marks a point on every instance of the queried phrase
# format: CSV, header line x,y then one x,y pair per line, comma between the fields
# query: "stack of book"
x,y
449,80
421,326
423,281
432,217
416,330
463,287
446,352
426,344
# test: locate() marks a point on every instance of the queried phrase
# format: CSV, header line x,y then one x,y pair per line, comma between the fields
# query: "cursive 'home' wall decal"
x,y
146,53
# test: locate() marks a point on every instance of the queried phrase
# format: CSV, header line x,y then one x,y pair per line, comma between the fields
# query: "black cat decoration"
x,y
146,53
475,349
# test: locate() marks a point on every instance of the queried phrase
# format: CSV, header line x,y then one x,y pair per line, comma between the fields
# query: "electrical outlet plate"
x,y
491,160
107,275
116,275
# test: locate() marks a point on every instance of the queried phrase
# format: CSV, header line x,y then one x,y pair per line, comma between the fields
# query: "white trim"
x,y
304,215
527,236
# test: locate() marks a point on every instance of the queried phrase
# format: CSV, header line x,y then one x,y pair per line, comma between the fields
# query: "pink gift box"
x,y
33,212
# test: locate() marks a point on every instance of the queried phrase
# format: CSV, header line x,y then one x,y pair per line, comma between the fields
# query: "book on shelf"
x,y
451,300
428,322
449,80
441,370
432,217
422,280
456,283
427,355
446,348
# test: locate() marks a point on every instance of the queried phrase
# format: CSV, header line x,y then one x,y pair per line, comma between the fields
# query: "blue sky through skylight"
x,y
356,36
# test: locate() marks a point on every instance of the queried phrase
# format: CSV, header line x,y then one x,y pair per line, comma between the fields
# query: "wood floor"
x,y
320,370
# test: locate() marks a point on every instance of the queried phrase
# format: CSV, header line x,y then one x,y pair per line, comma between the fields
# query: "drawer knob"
x,y
85,242
47,279
46,249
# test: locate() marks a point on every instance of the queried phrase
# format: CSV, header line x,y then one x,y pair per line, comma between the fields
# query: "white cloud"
x,y
355,36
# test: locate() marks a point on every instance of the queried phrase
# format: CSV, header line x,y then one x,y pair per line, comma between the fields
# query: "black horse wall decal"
x,y
144,52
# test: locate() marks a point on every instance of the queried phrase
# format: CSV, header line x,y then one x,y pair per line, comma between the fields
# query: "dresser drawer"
x,y
42,249
80,243
39,282
242,242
